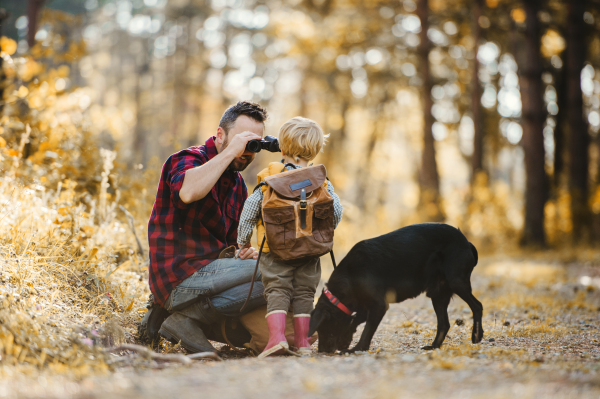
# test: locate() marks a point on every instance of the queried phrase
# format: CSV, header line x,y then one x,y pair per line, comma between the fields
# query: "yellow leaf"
x,y
552,43
128,308
22,92
8,46
2,143
88,230
36,102
64,211
518,14
13,153
63,71
93,253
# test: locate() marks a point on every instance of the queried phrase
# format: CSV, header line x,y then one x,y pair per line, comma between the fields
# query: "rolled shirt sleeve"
x,y
249,217
180,163
338,210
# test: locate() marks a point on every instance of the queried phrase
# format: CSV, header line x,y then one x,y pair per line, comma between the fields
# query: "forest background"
x,y
481,114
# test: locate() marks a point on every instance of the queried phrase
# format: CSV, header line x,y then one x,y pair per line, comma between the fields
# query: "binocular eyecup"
x,y
269,143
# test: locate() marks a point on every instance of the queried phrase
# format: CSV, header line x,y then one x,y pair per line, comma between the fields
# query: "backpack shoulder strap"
x,y
259,185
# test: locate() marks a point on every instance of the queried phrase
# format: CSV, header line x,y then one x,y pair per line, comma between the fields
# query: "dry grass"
x,y
71,278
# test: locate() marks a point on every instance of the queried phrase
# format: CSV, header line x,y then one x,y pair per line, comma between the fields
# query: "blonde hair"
x,y
301,138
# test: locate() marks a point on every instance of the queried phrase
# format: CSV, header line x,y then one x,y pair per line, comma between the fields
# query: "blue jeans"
x,y
226,282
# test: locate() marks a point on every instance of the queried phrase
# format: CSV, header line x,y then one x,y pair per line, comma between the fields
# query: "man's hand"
x,y
237,146
247,252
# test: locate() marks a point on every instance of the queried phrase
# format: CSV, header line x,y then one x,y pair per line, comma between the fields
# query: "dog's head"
x,y
335,327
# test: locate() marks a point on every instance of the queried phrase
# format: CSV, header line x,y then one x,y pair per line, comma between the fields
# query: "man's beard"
x,y
236,165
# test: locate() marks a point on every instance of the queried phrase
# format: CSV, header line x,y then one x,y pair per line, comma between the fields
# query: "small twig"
x,y
142,350
205,355
132,227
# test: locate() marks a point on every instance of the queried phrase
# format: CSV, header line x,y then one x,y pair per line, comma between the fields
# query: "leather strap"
x,y
303,208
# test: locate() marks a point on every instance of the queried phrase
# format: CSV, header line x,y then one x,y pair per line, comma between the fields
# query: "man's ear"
x,y
220,135
317,317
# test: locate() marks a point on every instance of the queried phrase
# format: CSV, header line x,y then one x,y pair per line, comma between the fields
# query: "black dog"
x,y
431,257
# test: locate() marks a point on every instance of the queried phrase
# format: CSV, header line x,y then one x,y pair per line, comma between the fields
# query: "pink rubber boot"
x,y
301,338
277,344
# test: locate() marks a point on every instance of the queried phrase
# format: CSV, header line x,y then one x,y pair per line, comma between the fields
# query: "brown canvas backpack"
x,y
297,213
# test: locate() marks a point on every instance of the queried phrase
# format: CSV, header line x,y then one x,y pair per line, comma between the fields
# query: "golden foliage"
x,y
8,46
68,267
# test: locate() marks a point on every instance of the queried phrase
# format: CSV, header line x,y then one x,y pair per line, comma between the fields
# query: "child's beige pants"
x,y
288,282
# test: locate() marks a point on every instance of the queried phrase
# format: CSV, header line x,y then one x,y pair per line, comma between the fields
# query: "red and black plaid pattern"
x,y
185,237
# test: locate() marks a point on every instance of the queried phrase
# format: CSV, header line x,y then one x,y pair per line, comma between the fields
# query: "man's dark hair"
x,y
250,109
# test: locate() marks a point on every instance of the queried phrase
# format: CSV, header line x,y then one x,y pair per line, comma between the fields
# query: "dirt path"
x,y
541,340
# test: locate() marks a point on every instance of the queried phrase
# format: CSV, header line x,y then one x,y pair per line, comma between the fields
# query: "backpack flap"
x,y
289,184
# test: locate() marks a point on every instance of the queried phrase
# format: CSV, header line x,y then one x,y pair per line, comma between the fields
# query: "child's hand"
x,y
247,252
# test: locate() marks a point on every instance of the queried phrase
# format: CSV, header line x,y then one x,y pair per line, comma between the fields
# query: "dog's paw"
x,y
428,347
477,334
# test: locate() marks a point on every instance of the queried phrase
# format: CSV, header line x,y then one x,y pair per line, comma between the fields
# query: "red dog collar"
x,y
336,302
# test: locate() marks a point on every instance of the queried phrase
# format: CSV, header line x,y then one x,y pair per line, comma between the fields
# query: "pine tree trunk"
x,y
33,12
578,129
530,74
559,130
477,157
429,178
3,15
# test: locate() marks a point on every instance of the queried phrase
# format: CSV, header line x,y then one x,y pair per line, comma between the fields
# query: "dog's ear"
x,y
316,318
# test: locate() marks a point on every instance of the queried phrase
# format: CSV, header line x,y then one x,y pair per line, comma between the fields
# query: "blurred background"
x,y
480,113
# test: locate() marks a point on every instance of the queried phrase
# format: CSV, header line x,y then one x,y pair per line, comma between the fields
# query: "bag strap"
x,y
332,259
288,164
262,183
303,208
254,275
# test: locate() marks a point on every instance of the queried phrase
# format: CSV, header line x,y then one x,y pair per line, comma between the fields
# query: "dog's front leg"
x,y
374,317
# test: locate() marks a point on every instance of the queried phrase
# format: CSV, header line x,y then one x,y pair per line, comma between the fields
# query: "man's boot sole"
x,y
171,337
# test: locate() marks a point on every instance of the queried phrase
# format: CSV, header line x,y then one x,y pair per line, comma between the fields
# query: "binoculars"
x,y
269,143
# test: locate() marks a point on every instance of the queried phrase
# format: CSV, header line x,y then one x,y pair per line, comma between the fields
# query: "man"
x,y
192,229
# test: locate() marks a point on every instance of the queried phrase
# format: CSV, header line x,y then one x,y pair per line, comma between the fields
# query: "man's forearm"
x,y
198,181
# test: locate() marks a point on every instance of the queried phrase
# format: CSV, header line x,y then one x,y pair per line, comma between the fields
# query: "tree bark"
x,y
3,15
559,130
429,179
33,12
477,157
530,74
578,138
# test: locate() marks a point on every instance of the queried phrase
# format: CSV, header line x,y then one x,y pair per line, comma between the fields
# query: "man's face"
x,y
242,124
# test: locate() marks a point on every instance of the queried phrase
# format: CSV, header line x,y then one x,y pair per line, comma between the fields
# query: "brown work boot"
x,y
179,328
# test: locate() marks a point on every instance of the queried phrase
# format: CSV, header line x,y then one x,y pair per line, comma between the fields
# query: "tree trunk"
x,y
429,179
33,12
139,150
559,129
3,15
530,80
477,157
578,129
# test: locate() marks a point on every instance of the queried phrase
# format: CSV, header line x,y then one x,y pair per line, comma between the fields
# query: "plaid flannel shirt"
x,y
185,237
252,212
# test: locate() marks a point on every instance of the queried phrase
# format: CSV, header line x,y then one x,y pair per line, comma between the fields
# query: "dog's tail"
x,y
474,251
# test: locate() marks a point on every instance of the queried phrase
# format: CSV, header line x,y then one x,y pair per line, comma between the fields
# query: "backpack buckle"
x,y
303,208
